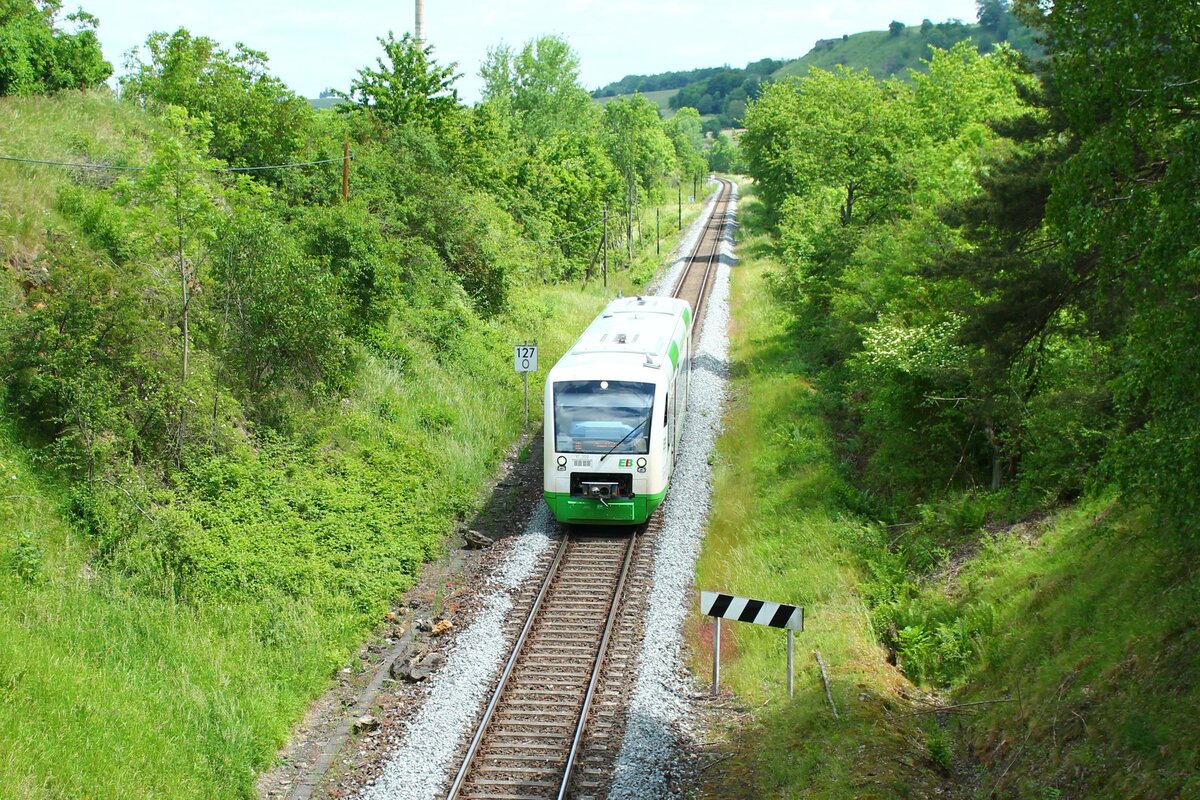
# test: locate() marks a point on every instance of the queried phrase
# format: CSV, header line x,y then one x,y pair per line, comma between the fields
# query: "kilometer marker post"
x,y
525,362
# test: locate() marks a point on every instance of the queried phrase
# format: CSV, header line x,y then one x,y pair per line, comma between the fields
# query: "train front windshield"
x,y
597,416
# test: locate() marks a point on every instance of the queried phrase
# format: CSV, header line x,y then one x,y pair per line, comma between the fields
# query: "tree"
x,y
991,13
539,86
36,56
896,28
176,206
252,117
686,132
830,129
639,147
408,87
1125,201
278,313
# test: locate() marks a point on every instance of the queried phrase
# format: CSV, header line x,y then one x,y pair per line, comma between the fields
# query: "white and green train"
x,y
614,411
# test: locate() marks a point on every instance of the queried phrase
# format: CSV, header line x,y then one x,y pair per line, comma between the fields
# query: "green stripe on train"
x,y
673,352
586,511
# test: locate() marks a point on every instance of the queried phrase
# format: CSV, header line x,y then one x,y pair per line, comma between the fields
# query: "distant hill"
x,y
720,94
901,48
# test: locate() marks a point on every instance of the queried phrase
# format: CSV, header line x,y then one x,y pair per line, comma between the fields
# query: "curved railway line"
x,y
548,730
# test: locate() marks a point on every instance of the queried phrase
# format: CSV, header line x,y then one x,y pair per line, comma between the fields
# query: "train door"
x,y
673,418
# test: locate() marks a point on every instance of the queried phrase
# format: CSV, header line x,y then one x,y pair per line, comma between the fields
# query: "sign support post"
x,y
525,362
759,612
791,641
716,655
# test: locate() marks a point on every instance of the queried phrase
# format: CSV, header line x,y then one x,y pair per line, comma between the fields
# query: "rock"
x,y
423,624
365,723
474,540
420,670
441,626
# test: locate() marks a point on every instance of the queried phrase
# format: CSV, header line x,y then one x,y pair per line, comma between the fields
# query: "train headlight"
x,y
641,464
562,463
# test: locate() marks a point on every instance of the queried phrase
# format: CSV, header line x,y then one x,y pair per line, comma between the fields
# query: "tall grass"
x,y
777,532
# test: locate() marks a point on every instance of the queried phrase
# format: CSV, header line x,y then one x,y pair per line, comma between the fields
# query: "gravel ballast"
x,y
657,712
418,769
424,759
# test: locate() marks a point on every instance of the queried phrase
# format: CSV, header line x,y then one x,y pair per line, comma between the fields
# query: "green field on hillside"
x,y
883,54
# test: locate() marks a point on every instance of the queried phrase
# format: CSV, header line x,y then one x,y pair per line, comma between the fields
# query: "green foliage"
x,y
25,558
408,87
75,368
253,118
37,57
1121,207
539,86
277,316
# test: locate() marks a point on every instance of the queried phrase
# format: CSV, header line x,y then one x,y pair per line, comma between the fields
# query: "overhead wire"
x,y
142,169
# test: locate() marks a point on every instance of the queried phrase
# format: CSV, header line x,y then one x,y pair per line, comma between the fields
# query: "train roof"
x,y
631,333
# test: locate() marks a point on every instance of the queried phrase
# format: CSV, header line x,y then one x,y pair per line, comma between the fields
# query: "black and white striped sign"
x,y
760,612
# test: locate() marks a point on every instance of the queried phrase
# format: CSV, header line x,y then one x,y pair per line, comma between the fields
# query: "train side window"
x,y
666,408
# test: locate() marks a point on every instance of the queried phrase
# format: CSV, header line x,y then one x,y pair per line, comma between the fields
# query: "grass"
x,y
777,533
1096,643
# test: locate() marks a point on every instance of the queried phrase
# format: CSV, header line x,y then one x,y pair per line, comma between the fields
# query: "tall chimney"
x,y
420,28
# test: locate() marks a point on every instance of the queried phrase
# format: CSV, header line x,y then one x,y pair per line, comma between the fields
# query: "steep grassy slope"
x,y
1097,650
162,645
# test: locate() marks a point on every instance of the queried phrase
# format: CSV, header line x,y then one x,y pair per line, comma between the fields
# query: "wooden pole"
x,y
605,262
680,188
345,171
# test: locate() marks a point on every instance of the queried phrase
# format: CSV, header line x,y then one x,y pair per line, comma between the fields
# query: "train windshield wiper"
x,y
624,438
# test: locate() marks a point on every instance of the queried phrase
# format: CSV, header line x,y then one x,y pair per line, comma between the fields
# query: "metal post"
x,y
657,233
680,188
526,375
716,655
791,639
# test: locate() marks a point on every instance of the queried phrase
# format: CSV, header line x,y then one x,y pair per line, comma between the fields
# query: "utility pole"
x,y
345,171
419,30
605,267
657,232
680,188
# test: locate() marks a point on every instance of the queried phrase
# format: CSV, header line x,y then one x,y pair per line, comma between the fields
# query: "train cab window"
x,y
598,416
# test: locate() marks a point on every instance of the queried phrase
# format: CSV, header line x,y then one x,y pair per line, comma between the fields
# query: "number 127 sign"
x,y
525,358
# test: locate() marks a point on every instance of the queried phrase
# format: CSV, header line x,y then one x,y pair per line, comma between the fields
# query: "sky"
x,y
315,45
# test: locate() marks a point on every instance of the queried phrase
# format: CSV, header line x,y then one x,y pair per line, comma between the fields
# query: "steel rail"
x,y
508,668
591,689
715,223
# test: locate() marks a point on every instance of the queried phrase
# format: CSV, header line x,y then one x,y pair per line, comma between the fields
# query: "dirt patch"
x,y
346,732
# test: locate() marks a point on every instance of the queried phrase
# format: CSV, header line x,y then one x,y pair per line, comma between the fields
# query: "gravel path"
x,y
658,710
420,766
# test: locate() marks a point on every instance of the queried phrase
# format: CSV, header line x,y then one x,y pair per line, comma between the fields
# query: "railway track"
x,y
701,270
547,731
